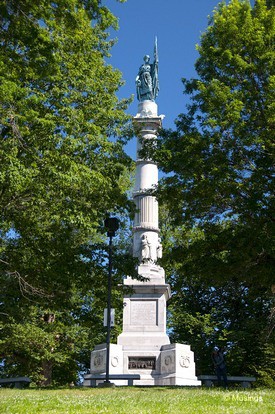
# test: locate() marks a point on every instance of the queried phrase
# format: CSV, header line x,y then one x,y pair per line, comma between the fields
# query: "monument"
x,y
144,347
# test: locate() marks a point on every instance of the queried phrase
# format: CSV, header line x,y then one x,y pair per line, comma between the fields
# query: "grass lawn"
x,y
136,400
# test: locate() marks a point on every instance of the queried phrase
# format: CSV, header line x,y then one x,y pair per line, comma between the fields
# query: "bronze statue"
x,y
147,79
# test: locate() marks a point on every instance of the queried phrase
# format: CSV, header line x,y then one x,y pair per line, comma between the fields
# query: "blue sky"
x,y
178,25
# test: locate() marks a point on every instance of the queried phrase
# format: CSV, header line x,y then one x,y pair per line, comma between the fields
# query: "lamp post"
x,y
111,225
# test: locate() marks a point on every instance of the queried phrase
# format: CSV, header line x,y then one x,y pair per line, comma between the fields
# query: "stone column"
x,y
146,240
144,312
145,344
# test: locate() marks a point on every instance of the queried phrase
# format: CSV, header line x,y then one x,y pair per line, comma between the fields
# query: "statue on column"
x,y
147,82
159,249
150,252
145,249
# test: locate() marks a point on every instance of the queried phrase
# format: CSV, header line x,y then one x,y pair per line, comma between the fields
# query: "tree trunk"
x,y
47,369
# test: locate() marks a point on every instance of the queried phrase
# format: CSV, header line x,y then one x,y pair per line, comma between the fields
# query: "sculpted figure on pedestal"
x,y
145,249
159,249
150,252
147,79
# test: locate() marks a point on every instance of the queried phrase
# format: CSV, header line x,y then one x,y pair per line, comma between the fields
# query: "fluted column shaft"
x,y
146,244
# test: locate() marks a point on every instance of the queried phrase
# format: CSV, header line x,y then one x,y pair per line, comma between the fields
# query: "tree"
x,y
220,159
228,316
61,173
211,305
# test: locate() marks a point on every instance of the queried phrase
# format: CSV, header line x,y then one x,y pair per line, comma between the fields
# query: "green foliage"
x,y
230,316
214,303
61,173
219,191
221,156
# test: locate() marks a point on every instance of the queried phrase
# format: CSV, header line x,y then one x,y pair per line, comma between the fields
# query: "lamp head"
x,y
111,224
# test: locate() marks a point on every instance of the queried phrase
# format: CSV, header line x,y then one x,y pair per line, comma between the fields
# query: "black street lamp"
x,y
111,225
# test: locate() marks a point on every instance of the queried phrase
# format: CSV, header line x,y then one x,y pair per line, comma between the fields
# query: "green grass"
x,y
136,400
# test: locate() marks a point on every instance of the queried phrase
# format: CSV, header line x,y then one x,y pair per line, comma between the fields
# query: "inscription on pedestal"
x,y
142,363
143,312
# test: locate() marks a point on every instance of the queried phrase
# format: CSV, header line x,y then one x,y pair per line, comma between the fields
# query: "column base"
x,y
169,365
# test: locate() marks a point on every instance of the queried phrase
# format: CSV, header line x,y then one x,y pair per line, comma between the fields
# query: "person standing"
x,y
220,366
